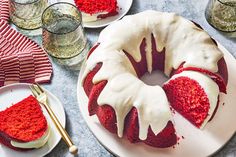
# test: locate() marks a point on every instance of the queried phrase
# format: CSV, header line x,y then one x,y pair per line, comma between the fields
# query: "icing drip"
x,y
183,43
210,88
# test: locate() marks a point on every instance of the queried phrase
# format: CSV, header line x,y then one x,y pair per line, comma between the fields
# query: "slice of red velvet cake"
x,y
92,10
23,126
194,95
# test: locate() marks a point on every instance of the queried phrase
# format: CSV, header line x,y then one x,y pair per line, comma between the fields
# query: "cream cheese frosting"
x,y
33,144
184,43
91,17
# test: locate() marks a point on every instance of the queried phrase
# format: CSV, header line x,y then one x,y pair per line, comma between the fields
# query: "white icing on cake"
x,y
91,17
209,86
183,41
33,144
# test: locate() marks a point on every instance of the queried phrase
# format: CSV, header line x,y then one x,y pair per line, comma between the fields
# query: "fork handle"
x,y
72,148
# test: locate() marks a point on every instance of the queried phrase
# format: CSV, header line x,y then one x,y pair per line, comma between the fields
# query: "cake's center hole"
x,y
157,77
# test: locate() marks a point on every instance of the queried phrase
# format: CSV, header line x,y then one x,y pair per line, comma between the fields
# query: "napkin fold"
x,y
4,10
21,59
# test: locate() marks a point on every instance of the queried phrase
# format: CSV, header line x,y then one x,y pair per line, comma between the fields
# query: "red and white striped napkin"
x,y
4,10
21,59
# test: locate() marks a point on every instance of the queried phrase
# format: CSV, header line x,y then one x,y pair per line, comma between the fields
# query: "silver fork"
x,y
41,96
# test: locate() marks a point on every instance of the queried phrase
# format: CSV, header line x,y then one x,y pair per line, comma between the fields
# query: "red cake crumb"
x,y
172,110
23,121
178,138
188,98
95,6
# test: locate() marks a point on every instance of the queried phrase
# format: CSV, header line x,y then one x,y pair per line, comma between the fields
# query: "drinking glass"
x,y
63,34
221,14
26,14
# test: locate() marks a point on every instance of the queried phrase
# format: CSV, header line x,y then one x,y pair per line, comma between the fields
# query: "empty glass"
x,y
63,34
26,14
221,14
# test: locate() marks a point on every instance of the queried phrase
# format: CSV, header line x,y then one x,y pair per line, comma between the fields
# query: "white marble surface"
x,y
64,81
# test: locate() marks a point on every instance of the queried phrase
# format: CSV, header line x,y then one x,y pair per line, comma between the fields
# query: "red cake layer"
x,y
95,6
23,122
188,98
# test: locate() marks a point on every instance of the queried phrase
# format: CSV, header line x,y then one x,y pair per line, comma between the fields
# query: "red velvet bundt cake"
x,y
145,42
23,125
92,10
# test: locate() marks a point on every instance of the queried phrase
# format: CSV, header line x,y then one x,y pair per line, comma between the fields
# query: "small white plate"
x,y
14,93
124,6
196,142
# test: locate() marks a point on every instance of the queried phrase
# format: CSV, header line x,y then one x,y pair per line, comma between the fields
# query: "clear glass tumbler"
x,y
26,14
221,14
63,34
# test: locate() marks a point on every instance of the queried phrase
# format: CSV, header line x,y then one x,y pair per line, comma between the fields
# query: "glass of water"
x,y
26,14
63,34
221,14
